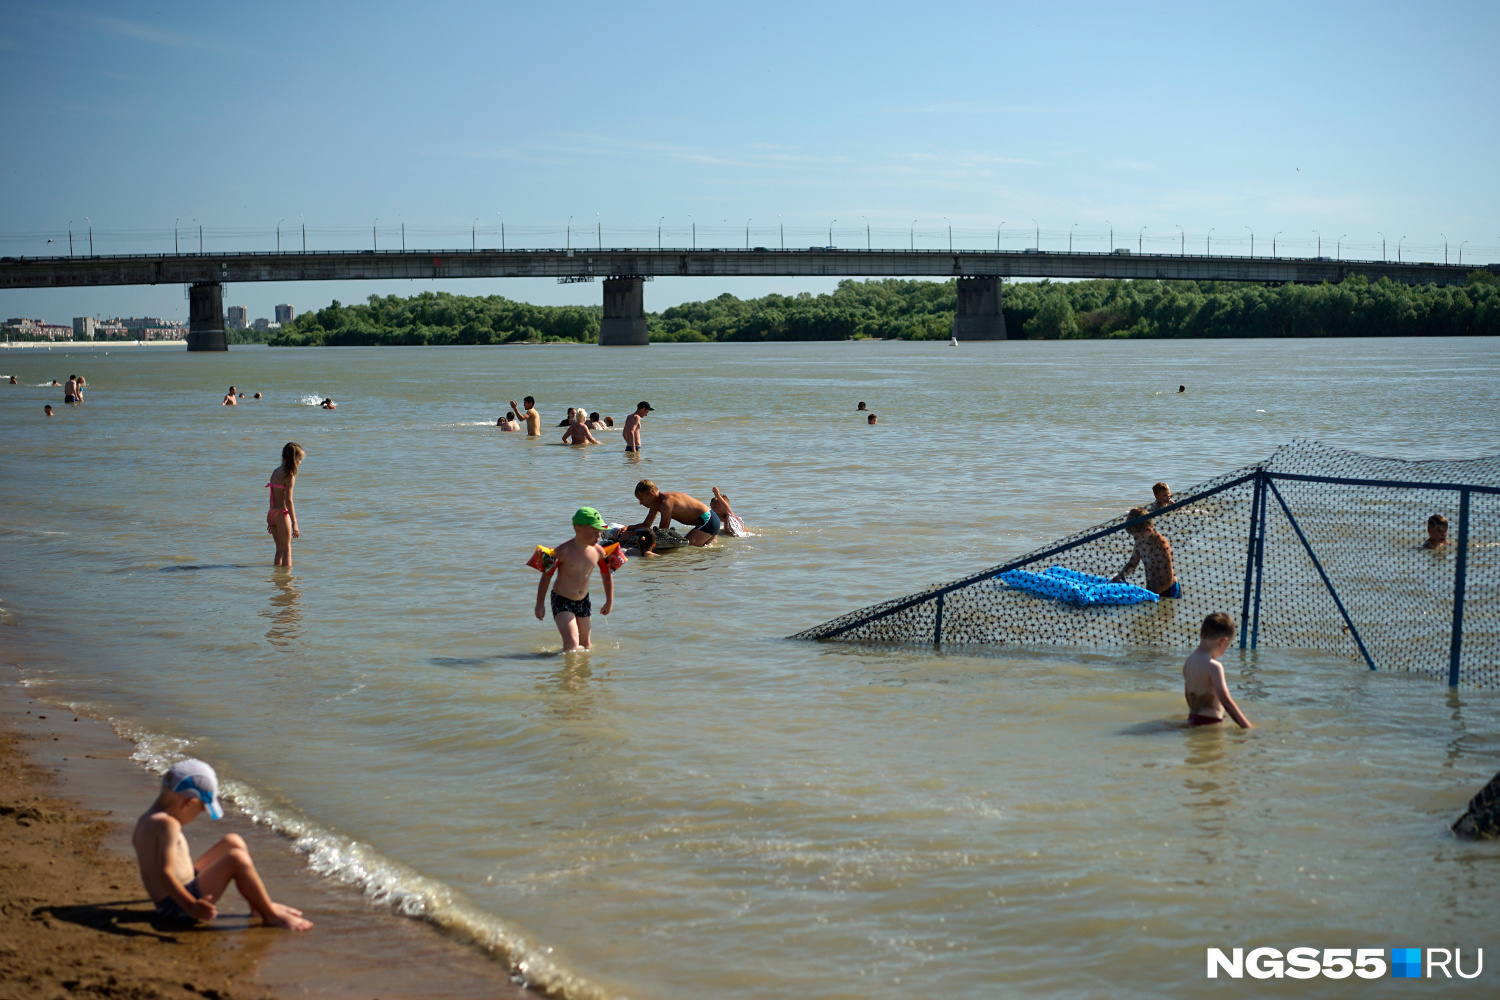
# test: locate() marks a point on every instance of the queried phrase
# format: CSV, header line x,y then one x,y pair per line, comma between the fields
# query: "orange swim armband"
x,y
542,559
613,558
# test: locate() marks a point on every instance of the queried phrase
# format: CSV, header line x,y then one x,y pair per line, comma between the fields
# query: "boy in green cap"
x,y
575,562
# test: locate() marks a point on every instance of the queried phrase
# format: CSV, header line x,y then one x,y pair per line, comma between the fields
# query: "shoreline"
x,y
69,789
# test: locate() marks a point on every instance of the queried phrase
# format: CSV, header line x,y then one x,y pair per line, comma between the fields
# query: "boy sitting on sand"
x,y
574,565
1203,681
184,890
1155,551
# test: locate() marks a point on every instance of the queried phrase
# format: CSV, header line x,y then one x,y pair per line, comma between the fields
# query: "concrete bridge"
x,y
980,274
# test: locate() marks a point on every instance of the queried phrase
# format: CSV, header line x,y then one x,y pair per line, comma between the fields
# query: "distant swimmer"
x,y
595,424
229,400
565,421
281,518
257,395
704,525
1203,682
733,526
1437,532
573,567
70,391
56,382
508,422
861,407
632,432
47,409
329,404
1182,388
528,413
13,380
1155,551
578,431
608,421
873,419
1163,494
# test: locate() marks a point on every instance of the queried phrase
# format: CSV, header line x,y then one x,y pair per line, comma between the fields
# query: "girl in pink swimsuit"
x,y
281,519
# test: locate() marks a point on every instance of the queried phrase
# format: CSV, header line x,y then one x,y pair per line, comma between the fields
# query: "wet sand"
x,y
74,918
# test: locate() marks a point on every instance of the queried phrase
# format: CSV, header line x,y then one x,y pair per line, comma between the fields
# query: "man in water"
x,y
1203,682
633,426
704,525
860,407
1155,551
229,399
329,404
70,391
1437,532
528,413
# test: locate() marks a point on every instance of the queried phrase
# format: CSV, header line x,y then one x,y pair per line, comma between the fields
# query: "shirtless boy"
x,y
1153,550
578,430
576,559
632,430
508,422
1437,532
1163,494
528,413
1203,675
704,525
733,526
184,889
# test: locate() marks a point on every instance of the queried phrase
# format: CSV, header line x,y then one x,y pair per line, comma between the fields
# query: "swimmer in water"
x,y
1203,682
578,430
733,526
873,419
595,424
281,518
609,421
508,422
704,525
1163,494
645,546
632,431
229,400
1437,532
1182,388
528,413
568,420
576,559
257,395
70,391
329,404
13,380
47,409
861,407
1155,551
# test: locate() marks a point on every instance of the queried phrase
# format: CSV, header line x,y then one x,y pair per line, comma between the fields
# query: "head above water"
x,y
1217,626
861,405
594,415
291,457
1161,490
872,419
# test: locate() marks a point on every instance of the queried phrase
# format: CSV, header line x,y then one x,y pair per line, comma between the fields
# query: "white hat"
x,y
193,776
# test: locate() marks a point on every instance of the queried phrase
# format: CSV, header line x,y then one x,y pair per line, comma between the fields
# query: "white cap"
x,y
194,777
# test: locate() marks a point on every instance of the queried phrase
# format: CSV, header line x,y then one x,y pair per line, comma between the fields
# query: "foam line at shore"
x,y
383,880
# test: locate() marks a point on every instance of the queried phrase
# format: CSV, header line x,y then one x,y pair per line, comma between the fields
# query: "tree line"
x,y
923,310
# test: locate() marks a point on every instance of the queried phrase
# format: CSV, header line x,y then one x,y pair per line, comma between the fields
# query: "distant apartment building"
x,y
22,328
234,318
285,313
263,325
83,327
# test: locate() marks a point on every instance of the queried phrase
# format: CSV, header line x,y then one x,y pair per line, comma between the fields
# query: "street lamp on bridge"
x,y
502,232
568,245
747,233
913,234
1461,253
1038,233
374,233
1382,243
695,230
278,234
473,235
174,236
950,234
830,231
867,234
1140,238
997,235
781,226
1111,237
1445,248
1273,244
91,236
658,231
304,231
1398,249
1252,241
1320,242
1075,226
1183,233
1208,245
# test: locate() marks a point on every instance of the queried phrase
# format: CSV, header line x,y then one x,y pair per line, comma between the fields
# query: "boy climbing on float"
x,y
572,563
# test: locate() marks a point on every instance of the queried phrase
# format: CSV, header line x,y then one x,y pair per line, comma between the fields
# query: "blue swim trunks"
x,y
1175,590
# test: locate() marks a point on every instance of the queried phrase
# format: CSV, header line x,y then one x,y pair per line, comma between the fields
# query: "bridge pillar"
x,y
206,317
624,323
979,316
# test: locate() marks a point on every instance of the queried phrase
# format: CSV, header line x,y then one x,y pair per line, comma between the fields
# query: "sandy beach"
x,y
76,921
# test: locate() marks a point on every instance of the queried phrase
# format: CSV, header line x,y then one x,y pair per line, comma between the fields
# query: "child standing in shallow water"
x,y
1203,682
281,519
574,565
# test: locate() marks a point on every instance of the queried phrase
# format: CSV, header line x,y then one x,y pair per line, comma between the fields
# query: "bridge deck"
x,y
49,272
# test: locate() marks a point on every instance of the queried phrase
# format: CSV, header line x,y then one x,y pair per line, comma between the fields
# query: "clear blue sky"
x,y
1349,119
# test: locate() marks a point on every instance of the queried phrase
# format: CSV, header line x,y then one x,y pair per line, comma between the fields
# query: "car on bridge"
x,y
1121,252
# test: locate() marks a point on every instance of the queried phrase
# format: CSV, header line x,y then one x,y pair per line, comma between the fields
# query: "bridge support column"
x,y
624,323
206,317
979,316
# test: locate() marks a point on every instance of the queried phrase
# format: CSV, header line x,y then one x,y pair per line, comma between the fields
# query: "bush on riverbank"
x,y
923,310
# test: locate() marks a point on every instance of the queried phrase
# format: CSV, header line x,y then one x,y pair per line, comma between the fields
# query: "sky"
x,y
1321,126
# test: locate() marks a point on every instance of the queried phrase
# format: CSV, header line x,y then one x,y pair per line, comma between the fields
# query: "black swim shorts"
x,y
169,909
709,524
580,608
